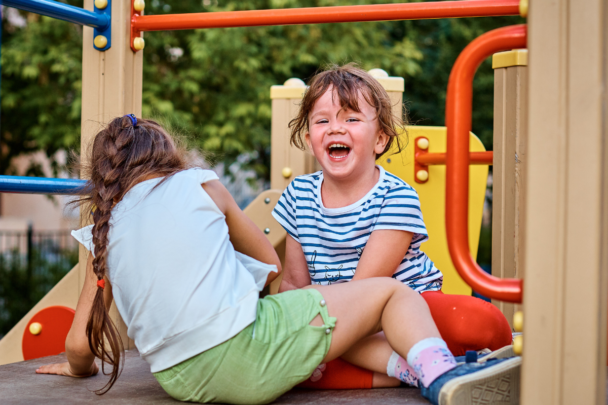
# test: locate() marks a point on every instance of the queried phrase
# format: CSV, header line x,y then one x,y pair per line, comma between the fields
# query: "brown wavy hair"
x,y
348,82
121,156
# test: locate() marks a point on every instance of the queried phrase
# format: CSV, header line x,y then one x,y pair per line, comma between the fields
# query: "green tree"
x,y
214,84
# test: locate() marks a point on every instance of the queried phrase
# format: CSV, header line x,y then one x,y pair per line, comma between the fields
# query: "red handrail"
x,y
475,158
458,121
321,15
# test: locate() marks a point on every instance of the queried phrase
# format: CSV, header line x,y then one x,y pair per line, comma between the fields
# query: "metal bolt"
x,y
287,172
267,231
101,4
423,143
100,41
35,328
422,175
139,5
139,43
388,160
518,321
267,200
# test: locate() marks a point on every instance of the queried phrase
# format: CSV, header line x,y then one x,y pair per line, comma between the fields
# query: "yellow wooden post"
x,y
510,134
111,87
566,225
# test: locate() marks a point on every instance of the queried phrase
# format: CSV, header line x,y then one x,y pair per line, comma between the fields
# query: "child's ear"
x,y
381,142
307,139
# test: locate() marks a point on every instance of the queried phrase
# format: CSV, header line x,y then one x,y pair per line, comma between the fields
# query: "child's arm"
x,y
80,359
383,253
244,234
295,274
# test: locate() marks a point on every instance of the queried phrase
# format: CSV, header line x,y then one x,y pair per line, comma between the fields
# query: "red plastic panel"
x,y
56,322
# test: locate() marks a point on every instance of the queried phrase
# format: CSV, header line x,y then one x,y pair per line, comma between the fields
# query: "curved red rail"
x,y
320,15
458,122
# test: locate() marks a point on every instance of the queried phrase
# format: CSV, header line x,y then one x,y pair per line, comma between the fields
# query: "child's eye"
x,y
352,120
322,121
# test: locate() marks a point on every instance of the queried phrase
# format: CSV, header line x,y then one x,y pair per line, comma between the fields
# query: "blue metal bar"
x,y
61,11
40,185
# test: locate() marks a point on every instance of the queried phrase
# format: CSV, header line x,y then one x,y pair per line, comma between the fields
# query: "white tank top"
x,y
178,283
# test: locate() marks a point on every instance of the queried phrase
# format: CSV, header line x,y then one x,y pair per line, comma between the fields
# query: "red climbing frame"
x,y
322,15
458,121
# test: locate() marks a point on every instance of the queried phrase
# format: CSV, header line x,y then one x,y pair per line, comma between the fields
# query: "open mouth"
x,y
338,151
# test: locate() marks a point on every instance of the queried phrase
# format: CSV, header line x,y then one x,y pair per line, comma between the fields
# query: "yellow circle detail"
x,y
518,321
422,175
139,5
35,328
423,143
139,44
100,41
518,345
101,4
287,172
523,8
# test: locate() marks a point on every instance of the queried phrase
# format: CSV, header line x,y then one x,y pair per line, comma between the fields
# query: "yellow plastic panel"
x,y
432,199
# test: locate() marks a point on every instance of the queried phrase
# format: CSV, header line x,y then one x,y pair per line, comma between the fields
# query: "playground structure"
x,y
550,180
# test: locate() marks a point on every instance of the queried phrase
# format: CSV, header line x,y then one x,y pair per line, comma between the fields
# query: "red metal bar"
x,y
458,121
475,158
321,15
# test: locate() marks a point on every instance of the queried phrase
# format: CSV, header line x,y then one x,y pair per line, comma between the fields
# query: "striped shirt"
x,y
333,239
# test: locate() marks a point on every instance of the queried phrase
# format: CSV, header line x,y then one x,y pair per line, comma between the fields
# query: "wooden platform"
x,y
19,384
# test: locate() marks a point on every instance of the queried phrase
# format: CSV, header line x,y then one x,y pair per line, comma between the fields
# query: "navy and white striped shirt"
x,y
333,239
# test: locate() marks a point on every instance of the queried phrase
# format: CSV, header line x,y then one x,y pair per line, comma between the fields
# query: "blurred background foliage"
x,y
214,84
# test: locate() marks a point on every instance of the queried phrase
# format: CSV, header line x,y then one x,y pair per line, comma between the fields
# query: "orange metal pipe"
x,y
475,158
321,15
458,121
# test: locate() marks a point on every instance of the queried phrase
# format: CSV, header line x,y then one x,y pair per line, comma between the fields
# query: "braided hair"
x,y
123,154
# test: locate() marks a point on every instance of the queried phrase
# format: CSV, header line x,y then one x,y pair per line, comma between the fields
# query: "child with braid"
x,y
185,267
353,220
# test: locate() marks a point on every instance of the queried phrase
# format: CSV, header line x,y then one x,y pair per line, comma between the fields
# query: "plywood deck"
x,y
20,385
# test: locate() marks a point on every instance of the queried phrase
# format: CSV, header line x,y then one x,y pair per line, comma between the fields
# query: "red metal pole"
x,y
321,15
475,158
458,121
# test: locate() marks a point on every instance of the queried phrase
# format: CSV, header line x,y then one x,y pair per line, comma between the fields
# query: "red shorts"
x,y
465,323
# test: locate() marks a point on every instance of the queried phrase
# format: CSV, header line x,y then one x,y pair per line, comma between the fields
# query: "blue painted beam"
x,y
40,185
61,11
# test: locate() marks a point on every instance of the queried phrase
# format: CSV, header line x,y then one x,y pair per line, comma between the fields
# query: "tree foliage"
x,y
214,84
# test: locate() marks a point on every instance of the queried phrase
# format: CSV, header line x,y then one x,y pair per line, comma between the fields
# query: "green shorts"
x,y
266,359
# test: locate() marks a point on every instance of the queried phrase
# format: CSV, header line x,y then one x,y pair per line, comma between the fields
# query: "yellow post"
x,y
510,135
565,239
111,87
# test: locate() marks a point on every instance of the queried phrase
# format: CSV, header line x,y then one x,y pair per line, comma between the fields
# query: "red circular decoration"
x,y
56,323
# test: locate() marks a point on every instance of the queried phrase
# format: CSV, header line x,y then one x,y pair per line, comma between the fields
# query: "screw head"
x,y
35,328
422,175
139,5
423,143
267,200
388,160
100,41
267,231
518,345
101,4
287,172
139,43
518,321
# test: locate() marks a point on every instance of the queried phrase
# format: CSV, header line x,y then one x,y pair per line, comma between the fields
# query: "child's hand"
x,y
64,369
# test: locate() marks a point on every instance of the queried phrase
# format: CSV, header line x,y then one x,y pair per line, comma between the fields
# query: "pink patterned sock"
x,y
397,367
430,358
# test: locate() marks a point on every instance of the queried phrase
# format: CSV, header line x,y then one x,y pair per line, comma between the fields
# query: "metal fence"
x,y
31,263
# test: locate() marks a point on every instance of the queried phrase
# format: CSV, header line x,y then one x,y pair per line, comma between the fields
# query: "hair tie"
x,y
132,118
101,283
